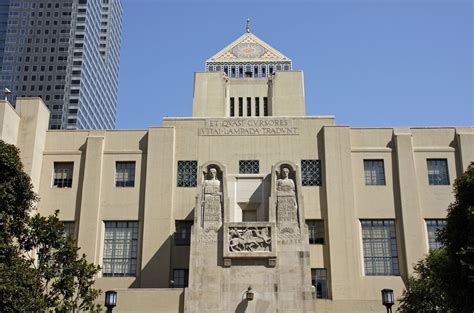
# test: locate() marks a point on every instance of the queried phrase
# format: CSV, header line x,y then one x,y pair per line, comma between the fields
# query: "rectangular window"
x,y
249,166
187,174
380,247
180,278
433,226
374,172
62,176
249,106
182,236
257,106
69,229
265,106
232,106
120,249
438,171
316,231
125,174
311,174
319,280
241,106
264,71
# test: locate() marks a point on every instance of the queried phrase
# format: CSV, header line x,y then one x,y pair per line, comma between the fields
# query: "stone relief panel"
x,y
212,201
287,206
249,239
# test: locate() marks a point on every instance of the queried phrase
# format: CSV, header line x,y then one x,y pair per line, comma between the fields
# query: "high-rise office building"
x,y
66,52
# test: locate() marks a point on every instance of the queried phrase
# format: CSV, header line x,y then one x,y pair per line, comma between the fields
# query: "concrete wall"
x,y
156,201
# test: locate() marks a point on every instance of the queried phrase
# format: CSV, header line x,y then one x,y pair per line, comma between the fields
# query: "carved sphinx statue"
x,y
287,206
212,216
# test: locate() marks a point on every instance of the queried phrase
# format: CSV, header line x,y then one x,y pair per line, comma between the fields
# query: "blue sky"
x,y
370,63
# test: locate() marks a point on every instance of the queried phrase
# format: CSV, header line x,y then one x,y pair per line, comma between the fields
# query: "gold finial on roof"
x,y
247,28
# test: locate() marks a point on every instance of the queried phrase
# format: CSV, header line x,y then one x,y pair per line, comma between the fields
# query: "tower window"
x,y
270,69
278,67
241,71
226,70
265,106
249,106
241,106
264,71
232,72
232,106
257,106
255,71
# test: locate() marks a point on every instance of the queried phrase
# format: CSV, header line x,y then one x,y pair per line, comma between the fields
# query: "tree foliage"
x,y
444,280
40,269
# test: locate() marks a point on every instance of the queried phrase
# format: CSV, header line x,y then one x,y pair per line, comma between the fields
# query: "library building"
x,y
249,205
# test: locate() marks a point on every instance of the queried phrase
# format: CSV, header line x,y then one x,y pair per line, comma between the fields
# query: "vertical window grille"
x,y
265,106
249,106
180,278
241,71
125,174
249,166
241,106
232,106
438,171
187,174
120,249
62,176
264,71
270,69
182,236
232,72
433,226
257,106
319,280
311,174
380,247
374,172
316,231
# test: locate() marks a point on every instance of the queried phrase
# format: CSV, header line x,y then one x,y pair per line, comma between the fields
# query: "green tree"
x,y
40,269
444,280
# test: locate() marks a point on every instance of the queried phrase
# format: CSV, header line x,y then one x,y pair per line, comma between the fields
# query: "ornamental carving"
x,y
212,195
249,239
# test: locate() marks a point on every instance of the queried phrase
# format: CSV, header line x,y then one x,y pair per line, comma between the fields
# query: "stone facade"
x,y
225,201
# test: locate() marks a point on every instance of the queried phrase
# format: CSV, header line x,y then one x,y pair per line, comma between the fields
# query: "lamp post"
x,y
387,299
110,300
249,294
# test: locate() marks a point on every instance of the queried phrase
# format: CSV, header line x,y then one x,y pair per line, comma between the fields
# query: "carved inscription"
x,y
249,239
248,127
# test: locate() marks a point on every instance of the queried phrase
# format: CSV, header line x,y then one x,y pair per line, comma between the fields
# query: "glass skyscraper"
x,y
67,52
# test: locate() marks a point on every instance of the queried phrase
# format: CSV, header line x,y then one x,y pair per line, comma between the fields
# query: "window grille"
x,y
120,249
182,236
374,172
311,173
180,278
380,247
433,226
319,280
316,231
125,174
187,174
62,177
249,167
438,171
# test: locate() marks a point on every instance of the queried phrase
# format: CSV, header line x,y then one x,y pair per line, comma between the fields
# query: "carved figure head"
x,y
213,173
285,172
